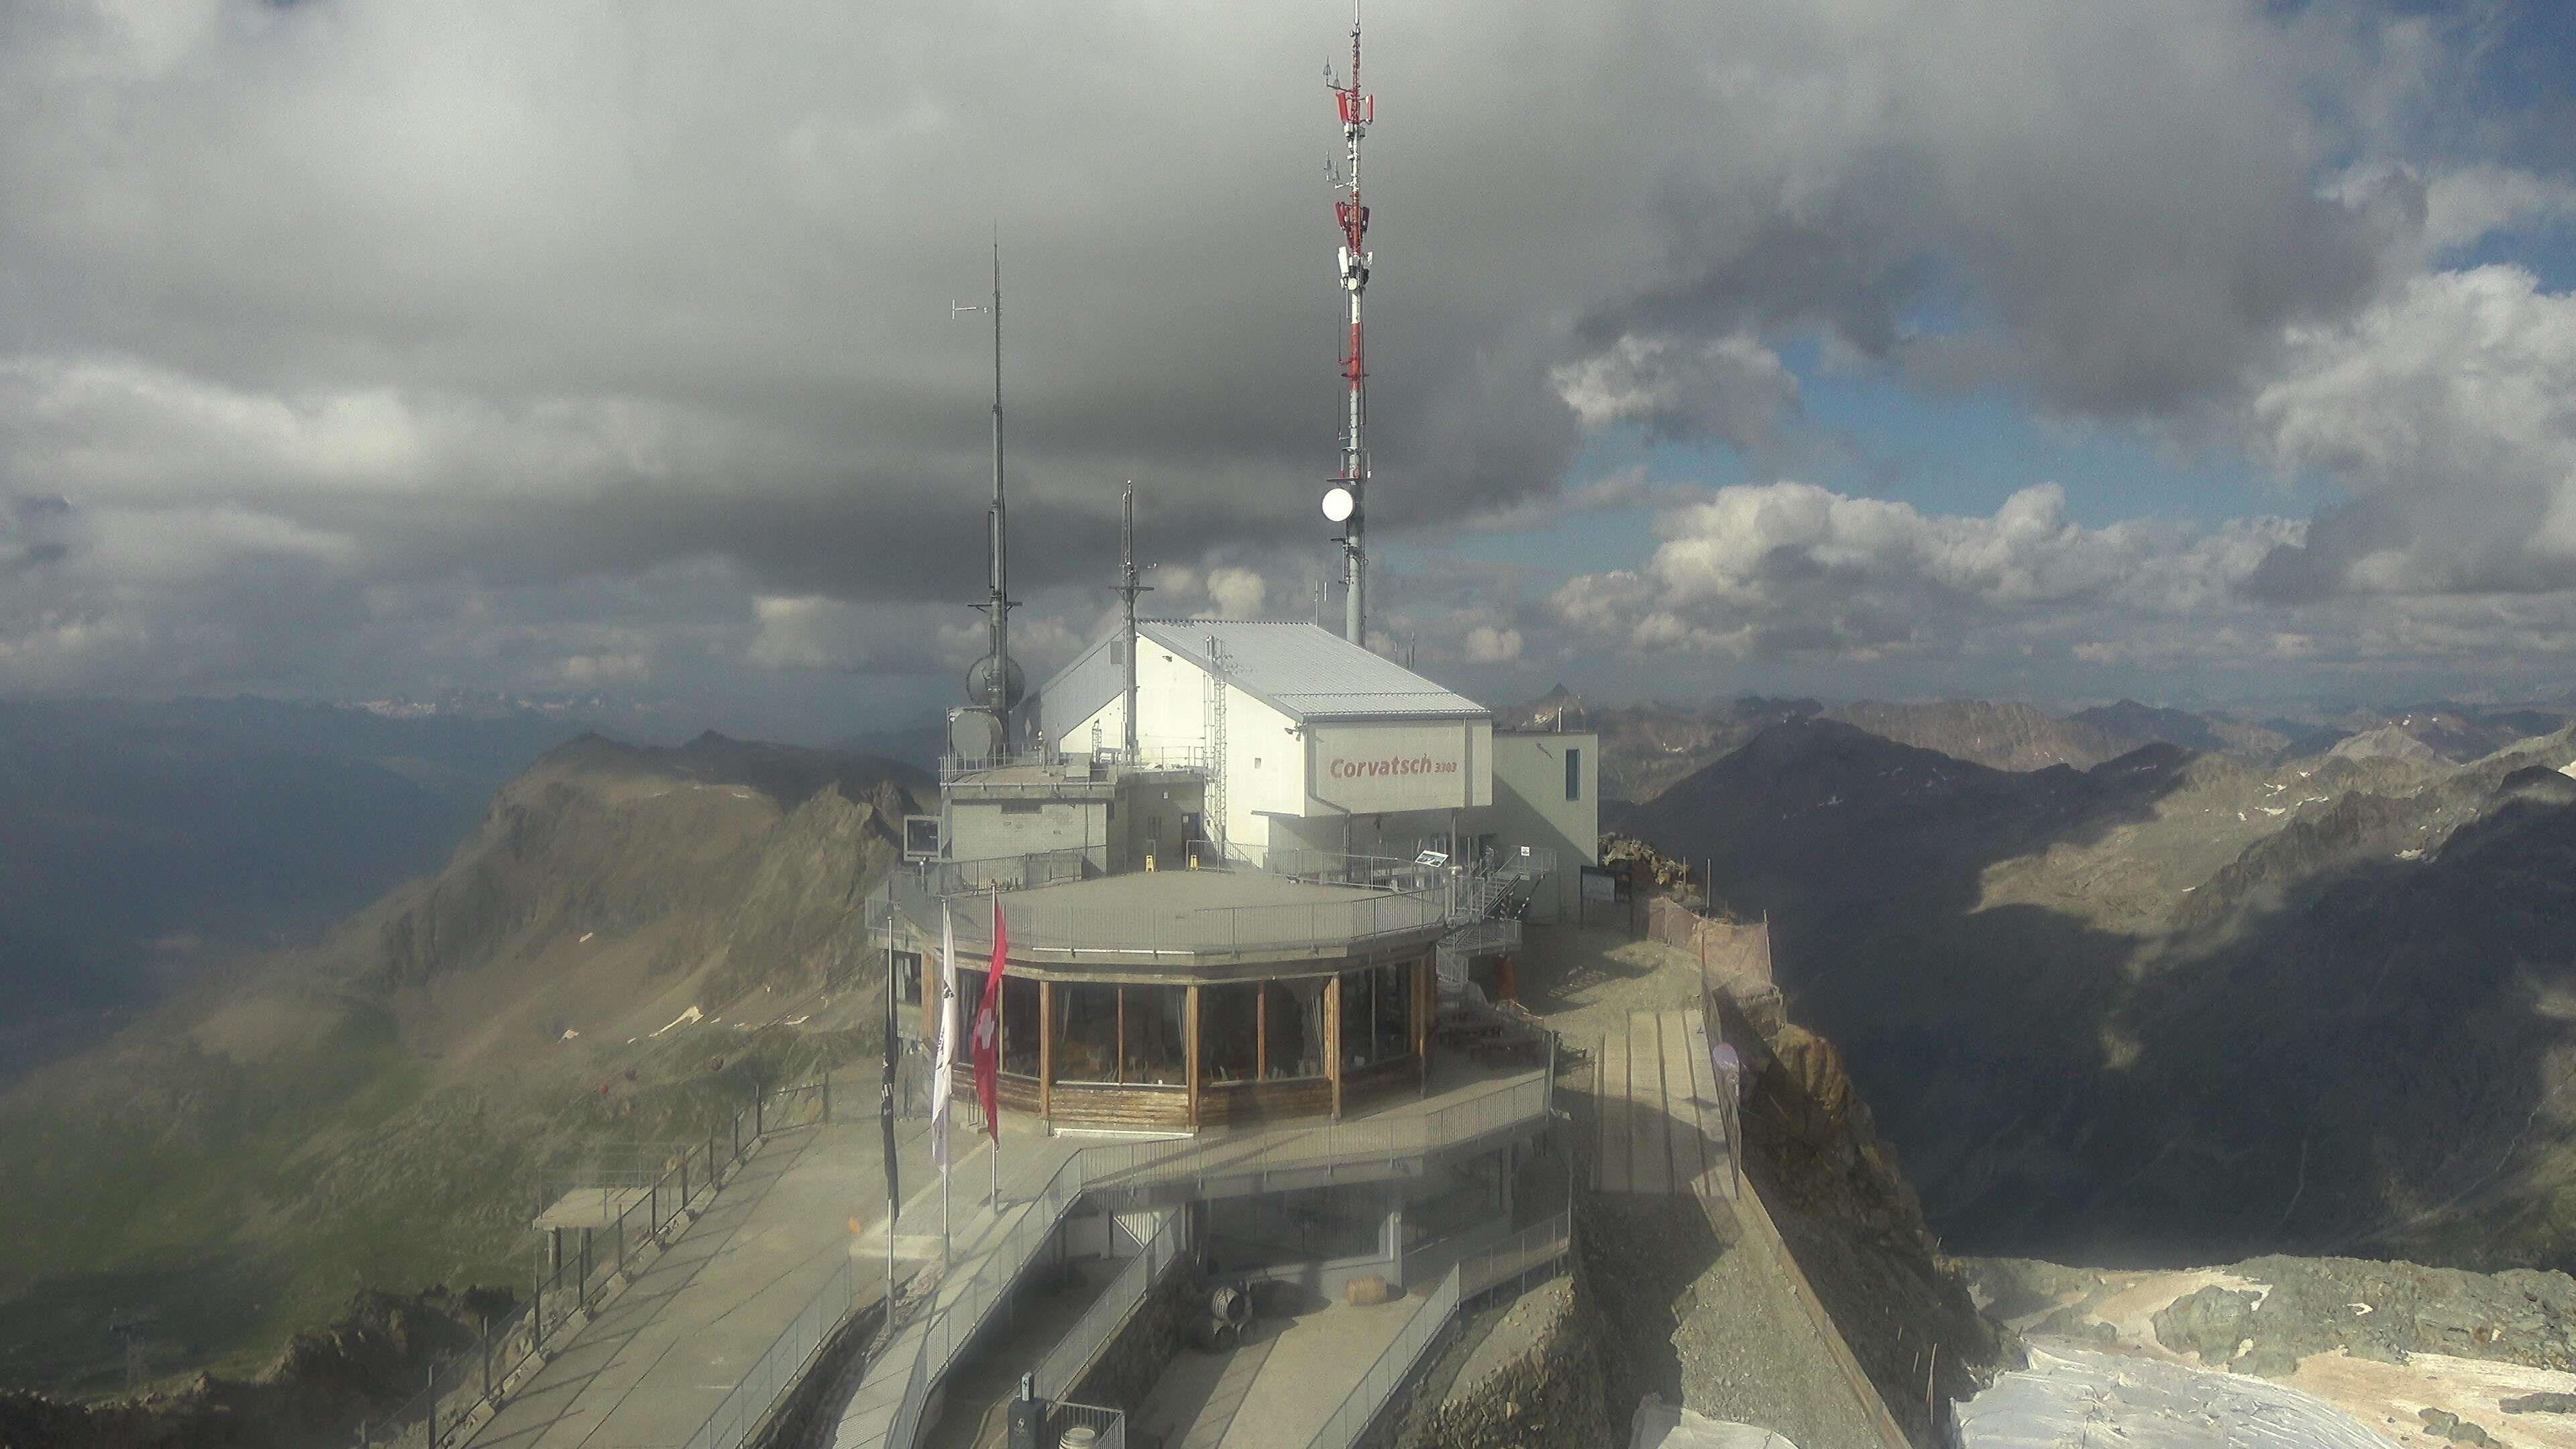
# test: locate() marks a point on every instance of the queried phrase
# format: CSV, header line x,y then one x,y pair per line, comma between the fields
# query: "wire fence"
x,y
781,1365
585,1265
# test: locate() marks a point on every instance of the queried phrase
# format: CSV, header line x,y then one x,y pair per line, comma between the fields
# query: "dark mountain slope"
x,y
2081,1058
2003,735
372,1110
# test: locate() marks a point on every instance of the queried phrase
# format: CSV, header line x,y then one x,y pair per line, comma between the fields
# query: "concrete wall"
x,y
1531,808
991,829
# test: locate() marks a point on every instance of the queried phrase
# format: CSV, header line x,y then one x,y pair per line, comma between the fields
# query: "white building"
x,y
1308,741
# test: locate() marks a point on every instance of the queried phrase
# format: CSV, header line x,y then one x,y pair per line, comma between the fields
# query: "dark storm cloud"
x,y
611,341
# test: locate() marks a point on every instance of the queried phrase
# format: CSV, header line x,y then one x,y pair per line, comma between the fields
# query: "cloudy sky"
x,y
2188,349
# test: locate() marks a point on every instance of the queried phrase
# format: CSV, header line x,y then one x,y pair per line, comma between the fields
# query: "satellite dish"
x,y
974,734
1338,503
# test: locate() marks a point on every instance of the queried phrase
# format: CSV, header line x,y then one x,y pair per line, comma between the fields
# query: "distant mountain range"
x,y
2179,1005
1649,747
624,944
141,844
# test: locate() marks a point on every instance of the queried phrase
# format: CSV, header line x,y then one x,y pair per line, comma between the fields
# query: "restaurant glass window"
x,y
1229,1031
1377,1015
1019,1026
907,977
1086,1032
1158,1035
1295,1013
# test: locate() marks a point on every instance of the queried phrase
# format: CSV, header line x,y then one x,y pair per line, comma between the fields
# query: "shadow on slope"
x,y
2343,1053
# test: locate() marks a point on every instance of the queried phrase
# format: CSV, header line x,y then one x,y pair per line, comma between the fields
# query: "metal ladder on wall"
x,y
1216,692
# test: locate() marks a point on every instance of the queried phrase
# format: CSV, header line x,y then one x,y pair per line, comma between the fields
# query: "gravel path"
x,y
1687,1316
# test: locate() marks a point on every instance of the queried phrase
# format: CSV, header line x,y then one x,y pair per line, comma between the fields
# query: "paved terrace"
x,y
1467,1108
663,1354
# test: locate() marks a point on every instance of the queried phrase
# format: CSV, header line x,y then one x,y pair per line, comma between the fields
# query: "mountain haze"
x,y
374,1110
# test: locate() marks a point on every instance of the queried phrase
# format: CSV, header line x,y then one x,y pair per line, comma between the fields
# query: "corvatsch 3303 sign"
x,y
1445,765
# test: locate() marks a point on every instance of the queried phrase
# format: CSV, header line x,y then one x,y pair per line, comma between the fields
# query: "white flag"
x,y
944,1051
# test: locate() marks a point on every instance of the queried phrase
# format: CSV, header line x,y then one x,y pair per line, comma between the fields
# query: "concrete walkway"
x,y
1657,1112
665,1352
1275,1389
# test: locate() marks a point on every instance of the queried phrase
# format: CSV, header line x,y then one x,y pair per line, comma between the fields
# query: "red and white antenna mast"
x,y
1347,501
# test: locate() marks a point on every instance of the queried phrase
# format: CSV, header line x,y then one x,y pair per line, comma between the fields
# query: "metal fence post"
x,y
827,1096
487,1358
583,1284
655,1227
537,1315
433,1406
684,1179
621,1241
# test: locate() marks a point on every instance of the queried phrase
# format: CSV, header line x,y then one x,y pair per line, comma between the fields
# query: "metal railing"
x,y
1109,1424
1539,1246
1359,1408
1074,1352
781,1365
587,1271
954,1322
1302,1153
1137,1168
1101,758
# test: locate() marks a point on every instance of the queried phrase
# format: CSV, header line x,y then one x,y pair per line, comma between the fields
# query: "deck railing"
x,y
591,1266
781,1365
1082,1343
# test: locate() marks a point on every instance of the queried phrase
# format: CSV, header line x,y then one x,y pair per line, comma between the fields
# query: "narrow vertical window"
x,y
1573,774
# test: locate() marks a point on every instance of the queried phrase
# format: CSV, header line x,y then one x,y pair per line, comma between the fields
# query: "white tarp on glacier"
x,y
2071,1398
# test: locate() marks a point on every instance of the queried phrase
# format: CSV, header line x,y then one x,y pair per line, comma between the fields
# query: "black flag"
x,y
885,1101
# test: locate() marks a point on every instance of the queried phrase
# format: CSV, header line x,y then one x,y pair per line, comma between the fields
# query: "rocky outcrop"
x,y
1532,1381
367,1363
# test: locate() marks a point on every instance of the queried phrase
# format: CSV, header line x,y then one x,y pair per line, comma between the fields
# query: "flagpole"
x,y
894,1200
943,1066
993,1199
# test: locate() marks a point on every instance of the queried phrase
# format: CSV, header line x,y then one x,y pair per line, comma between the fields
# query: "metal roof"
x,y
1307,672
1081,689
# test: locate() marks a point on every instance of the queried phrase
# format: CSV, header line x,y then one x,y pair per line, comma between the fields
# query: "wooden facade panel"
x,y
1096,1104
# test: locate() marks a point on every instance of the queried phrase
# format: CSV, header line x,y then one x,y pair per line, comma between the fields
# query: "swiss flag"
x,y
988,1031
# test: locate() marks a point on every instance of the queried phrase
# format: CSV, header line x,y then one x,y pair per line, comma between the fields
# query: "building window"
x,y
1086,1032
1377,1016
1033,807
1158,1041
907,977
1229,1031
1573,774
1019,1026
1294,1018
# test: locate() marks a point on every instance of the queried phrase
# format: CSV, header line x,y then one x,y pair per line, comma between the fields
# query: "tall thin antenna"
x,y
1131,582
996,680
1347,503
